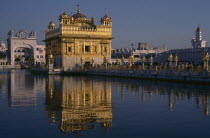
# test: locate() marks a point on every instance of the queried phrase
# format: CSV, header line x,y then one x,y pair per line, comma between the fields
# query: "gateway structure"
x,y
23,48
78,41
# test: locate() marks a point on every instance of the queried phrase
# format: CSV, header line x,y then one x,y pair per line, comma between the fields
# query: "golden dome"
x,y
51,25
3,45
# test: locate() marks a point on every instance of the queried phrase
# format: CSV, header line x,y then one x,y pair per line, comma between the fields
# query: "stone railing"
x,y
9,66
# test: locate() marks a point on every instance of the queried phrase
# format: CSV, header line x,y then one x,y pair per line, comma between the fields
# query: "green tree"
x,y
2,56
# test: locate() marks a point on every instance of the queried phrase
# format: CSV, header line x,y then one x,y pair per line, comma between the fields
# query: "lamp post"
x,y
50,61
122,59
117,61
170,59
151,60
206,61
143,61
131,61
176,59
92,62
81,61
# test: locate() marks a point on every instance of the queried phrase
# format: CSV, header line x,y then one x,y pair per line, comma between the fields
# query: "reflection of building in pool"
x,y
170,91
3,81
23,88
23,48
79,103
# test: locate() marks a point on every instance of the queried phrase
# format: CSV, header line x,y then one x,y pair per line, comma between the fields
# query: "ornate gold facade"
x,y
79,38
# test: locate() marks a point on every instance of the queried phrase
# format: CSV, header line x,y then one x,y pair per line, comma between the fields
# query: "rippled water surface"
x,y
62,106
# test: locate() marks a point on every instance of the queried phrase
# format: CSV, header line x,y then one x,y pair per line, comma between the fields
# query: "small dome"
x,y
3,45
52,24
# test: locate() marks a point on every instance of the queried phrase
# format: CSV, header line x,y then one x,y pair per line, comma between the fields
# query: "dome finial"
x,y
106,12
78,11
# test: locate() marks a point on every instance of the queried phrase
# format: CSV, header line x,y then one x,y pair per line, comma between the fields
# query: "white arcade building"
x,y
23,49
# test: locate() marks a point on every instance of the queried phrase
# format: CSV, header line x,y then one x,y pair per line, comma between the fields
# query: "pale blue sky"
x,y
158,22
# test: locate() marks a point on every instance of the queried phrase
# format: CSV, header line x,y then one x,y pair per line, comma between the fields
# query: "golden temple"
x,y
78,41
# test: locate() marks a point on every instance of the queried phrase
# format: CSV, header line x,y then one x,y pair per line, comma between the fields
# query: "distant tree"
x,y
2,56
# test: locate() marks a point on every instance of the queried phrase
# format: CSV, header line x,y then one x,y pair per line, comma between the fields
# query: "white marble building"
x,y
197,42
192,55
142,50
23,48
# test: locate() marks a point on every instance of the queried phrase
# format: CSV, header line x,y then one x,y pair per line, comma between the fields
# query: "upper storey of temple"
x,y
78,24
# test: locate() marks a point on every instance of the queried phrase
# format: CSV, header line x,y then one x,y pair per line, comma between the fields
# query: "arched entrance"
x,y
22,55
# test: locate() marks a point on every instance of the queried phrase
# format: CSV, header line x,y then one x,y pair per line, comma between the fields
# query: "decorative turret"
x,y
106,21
65,18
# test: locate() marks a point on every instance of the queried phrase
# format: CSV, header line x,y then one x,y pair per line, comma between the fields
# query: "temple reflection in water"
x,y
174,92
75,104
22,87
79,103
